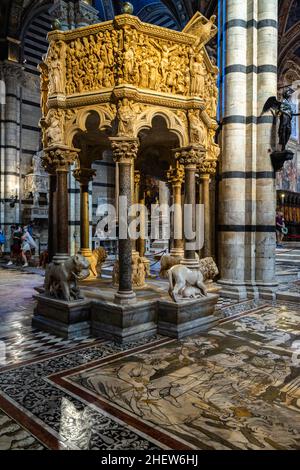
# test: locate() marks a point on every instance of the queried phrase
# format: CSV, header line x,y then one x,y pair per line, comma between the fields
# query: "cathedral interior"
x,y
150,225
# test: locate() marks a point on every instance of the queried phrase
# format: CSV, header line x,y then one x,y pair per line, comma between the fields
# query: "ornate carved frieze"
x,y
127,51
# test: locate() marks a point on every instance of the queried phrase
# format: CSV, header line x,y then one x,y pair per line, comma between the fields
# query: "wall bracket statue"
x,y
284,110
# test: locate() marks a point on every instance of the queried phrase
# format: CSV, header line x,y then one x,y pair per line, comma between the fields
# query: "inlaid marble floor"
x,y
235,387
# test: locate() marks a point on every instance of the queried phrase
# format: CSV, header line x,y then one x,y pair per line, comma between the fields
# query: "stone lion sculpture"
x,y
61,279
99,255
166,262
208,268
185,283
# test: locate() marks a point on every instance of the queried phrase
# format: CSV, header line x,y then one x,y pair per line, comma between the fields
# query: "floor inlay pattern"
x,y
236,387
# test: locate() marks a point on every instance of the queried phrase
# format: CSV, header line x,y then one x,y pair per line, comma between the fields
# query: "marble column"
x,y
52,216
175,178
125,152
205,197
247,192
61,157
135,185
190,157
10,161
84,176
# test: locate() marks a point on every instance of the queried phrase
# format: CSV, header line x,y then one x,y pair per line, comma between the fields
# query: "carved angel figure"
x,y
284,110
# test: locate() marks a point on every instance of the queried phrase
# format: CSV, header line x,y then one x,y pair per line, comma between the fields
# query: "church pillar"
x,y
125,152
247,195
84,176
175,179
60,157
10,163
190,157
265,249
205,197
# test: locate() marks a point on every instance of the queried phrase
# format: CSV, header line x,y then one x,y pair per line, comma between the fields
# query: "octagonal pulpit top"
x,y
127,52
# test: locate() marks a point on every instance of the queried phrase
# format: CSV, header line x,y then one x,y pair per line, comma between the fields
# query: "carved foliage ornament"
x,y
190,157
58,159
124,151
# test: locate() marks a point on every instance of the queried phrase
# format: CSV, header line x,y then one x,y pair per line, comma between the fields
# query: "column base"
x,y
86,252
177,252
60,258
190,263
248,290
125,298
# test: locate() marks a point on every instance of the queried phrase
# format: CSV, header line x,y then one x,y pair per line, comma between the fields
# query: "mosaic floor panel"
x,y
235,387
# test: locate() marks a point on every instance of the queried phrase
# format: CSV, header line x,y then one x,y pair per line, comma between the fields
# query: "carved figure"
x,y
61,279
126,117
181,277
54,130
99,255
198,73
196,127
284,110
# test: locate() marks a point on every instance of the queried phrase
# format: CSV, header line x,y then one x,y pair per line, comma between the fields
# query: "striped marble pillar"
x,y
247,197
11,74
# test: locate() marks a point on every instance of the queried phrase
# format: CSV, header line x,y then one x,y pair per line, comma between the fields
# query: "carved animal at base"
x,y
99,255
167,261
208,268
191,292
180,278
61,279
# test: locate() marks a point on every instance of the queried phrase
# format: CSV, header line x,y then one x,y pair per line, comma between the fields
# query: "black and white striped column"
x,y
247,188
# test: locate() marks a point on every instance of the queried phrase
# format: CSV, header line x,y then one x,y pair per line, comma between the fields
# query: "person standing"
x,y
27,245
16,244
2,241
280,226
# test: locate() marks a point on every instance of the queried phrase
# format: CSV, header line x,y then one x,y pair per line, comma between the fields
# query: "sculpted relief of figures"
x,y
91,61
55,61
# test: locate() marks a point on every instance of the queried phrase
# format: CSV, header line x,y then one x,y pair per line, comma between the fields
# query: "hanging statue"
x,y
284,110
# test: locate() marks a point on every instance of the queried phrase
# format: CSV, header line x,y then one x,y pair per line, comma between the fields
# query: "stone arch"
x,y
106,117
173,122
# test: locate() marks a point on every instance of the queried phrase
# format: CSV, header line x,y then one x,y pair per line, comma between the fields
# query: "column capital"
x,y
176,175
124,149
84,175
208,166
10,70
190,156
59,158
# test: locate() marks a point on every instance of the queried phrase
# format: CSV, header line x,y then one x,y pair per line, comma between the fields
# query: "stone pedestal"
x,y
187,318
61,318
124,323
